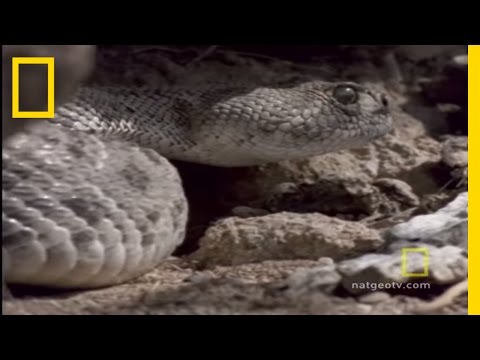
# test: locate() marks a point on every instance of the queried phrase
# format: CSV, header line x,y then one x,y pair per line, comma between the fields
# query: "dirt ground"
x,y
177,288
253,230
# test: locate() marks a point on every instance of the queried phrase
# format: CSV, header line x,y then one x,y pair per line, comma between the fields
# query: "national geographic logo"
x,y
419,252
35,114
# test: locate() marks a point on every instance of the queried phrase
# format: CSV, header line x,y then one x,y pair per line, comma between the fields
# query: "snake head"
x,y
274,123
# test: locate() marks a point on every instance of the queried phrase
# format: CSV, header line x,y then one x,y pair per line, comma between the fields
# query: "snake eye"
x,y
345,94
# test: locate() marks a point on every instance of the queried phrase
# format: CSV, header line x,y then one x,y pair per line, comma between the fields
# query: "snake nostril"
x,y
384,100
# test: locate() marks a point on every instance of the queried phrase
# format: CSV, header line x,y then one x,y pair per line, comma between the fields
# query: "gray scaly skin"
x,y
92,201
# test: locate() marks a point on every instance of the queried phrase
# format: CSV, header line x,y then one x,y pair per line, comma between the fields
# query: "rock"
x,y
408,152
398,195
455,151
331,196
344,197
456,235
455,156
280,178
323,278
447,265
283,236
447,226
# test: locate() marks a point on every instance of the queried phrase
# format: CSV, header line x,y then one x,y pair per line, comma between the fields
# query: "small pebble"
x,y
199,277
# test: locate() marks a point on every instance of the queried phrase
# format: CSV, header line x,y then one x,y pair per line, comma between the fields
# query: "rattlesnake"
x,y
90,199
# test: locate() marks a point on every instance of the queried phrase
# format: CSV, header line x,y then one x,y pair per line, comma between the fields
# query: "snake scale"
x,y
89,199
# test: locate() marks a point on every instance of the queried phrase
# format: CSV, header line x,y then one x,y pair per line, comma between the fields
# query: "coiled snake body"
x,y
91,200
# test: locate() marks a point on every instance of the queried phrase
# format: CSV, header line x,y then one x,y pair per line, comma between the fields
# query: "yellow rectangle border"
x,y
50,113
473,170
405,252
